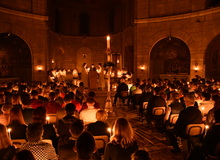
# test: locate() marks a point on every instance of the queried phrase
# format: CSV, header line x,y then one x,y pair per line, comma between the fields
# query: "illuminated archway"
x,y
15,58
169,56
212,59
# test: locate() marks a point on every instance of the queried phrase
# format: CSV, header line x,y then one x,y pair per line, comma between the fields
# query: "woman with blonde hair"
x,y
16,100
7,150
122,143
17,124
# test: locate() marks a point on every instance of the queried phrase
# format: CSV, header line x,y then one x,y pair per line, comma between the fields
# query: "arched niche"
x,y
169,56
212,59
15,58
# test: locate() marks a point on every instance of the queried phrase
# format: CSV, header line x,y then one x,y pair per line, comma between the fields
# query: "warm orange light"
x,y
142,67
39,68
108,42
196,68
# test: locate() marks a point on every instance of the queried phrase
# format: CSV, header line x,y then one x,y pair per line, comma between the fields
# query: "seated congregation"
x,y
61,121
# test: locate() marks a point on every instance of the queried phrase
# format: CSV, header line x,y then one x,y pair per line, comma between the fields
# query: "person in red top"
x,y
34,101
91,95
69,98
52,106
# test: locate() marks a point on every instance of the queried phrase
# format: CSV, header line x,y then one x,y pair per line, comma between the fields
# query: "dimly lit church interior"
x,y
132,59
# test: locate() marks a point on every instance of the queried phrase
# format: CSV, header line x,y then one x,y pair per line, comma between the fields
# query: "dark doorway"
x,y
212,59
169,56
15,58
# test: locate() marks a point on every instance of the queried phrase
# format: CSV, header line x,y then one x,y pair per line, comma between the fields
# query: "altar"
x,y
179,76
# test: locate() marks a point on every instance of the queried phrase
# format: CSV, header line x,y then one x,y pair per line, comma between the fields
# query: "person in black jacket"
x,y
121,87
190,115
155,101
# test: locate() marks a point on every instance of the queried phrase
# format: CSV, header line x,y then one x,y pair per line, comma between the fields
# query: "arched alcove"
x,y
15,58
212,59
169,56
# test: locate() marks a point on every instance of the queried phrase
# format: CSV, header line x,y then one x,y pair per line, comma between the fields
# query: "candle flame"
x,y
206,127
9,129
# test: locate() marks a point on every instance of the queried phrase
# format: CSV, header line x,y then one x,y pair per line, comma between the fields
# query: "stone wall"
x,y
196,29
32,28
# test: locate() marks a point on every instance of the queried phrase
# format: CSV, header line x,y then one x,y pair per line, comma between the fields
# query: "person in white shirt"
x,y
89,115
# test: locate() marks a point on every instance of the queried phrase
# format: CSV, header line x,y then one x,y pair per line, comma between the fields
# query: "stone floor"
x,y
152,141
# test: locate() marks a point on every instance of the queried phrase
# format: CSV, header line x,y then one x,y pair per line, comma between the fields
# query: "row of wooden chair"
x,y
101,142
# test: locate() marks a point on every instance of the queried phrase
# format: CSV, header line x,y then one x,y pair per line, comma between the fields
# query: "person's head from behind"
x,y
90,102
215,98
39,115
24,155
52,96
207,96
16,99
81,84
175,96
189,99
101,115
140,155
6,108
34,94
85,146
76,128
2,98
16,116
123,132
156,90
68,99
70,109
91,94
4,139
34,132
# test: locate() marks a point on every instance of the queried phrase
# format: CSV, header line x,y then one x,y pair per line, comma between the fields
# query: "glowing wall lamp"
x,y
196,68
142,67
39,67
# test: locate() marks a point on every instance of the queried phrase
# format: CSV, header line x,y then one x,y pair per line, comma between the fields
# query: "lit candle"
x,y
48,118
206,128
9,132
108,42
109,130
